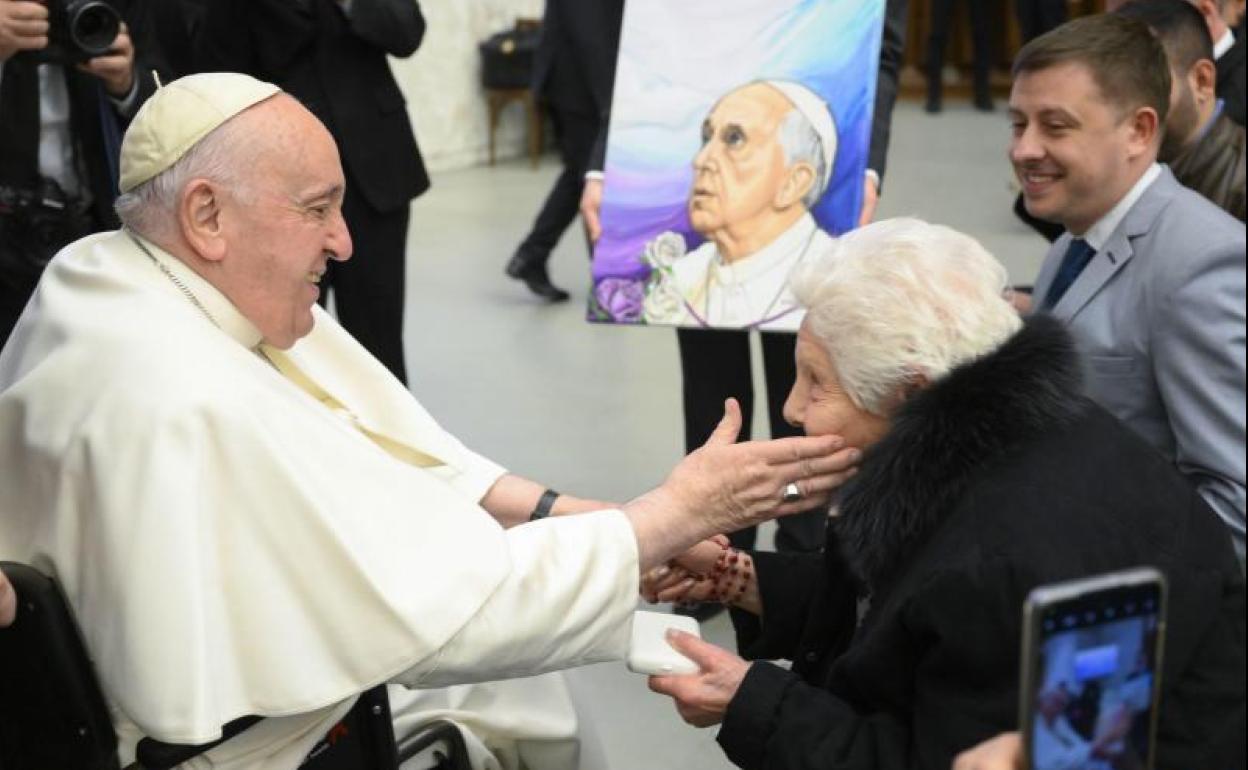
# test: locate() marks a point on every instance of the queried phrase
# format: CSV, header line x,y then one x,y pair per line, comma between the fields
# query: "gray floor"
x,y
595,409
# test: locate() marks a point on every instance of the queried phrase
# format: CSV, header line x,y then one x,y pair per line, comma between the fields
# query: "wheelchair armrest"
x,y
430,733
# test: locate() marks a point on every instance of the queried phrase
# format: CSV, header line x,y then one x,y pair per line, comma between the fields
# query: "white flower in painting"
x,y
662,252
664,303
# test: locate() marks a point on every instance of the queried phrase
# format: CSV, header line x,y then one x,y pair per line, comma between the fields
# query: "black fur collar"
x,y
909,481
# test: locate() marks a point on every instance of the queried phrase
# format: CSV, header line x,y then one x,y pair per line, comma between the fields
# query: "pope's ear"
x,y
798,181
200,218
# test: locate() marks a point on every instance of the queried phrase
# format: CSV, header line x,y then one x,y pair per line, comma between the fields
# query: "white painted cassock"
x,y
234,544
750,293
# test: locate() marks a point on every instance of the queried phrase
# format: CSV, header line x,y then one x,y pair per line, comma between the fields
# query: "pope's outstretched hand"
x,y
725,486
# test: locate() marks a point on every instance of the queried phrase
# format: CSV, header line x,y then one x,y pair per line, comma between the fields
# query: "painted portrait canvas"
x,y
736,151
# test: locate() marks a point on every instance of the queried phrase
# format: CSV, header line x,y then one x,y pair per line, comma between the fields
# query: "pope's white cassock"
x,y
751,292
250,531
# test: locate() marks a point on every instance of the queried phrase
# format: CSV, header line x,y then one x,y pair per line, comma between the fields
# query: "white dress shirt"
x,y
1098,234
1224,44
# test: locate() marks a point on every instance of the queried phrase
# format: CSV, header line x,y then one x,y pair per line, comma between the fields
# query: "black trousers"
x,y
715,365
942,12
575,132
369,288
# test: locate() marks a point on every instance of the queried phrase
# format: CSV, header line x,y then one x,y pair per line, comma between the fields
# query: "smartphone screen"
x,y
1093,665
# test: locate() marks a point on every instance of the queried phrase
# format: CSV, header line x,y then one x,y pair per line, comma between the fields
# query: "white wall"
x,y
442,82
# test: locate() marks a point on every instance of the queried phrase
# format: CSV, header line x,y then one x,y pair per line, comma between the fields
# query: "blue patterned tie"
x,y
1078,255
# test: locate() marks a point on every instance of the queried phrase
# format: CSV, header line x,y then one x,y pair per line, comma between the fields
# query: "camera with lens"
x,y
78,30
34,225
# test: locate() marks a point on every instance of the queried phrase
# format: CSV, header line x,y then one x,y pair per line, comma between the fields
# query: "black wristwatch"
x,y
544,504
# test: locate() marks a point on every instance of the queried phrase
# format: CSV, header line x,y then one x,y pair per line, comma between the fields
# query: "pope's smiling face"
x,y
739,171
287,225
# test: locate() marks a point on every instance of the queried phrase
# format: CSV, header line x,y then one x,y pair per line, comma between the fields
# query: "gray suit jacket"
x,y
1159,317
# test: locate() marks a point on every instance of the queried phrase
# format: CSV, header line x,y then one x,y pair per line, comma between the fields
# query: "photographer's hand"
x,y
23,27
115,68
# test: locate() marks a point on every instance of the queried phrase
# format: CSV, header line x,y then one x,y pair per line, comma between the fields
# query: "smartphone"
x,y
1091,671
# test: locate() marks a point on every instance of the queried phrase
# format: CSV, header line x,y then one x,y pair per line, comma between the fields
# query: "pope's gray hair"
x,y
221,156
902,298
801,145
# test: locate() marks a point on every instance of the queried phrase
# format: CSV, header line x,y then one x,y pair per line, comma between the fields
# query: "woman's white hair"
x,y
901,298
221,156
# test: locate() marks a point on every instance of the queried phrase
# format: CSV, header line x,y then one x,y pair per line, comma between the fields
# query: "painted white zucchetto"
x,y
180,114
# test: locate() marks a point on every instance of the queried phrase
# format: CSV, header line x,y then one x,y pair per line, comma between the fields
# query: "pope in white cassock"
x,y
248,514
768,153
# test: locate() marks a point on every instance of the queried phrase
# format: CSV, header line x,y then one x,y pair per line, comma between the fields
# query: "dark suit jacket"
x,y
948,524
166,31
1231,81
891,52
337,67
575,61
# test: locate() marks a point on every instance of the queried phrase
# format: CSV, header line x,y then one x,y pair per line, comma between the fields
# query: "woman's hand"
x,y
1005,752
702,698
688,577
670,583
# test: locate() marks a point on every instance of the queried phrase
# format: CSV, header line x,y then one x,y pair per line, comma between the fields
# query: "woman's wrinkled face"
x,y
819,406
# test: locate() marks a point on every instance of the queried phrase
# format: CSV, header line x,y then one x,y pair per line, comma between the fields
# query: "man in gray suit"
x,y
1150,275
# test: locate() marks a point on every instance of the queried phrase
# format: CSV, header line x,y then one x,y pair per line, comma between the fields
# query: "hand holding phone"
x,y
1091,666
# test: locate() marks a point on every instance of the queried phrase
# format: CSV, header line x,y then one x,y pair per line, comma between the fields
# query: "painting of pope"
x,y
736,149
767,154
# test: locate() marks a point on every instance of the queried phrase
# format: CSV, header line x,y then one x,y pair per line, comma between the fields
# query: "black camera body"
x,y
34,225
78,30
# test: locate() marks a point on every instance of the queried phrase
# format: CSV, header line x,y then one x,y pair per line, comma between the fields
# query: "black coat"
x,y
575,60
338,69
1231,81
574,67
998,478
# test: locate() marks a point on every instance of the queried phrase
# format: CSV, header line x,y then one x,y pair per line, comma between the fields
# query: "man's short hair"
x,y
1178,25
1127,62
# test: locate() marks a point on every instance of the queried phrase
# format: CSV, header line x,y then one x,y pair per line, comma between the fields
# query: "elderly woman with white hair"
x,y
985,472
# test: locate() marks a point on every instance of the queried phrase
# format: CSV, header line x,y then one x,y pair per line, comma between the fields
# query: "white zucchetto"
x,y
180,114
